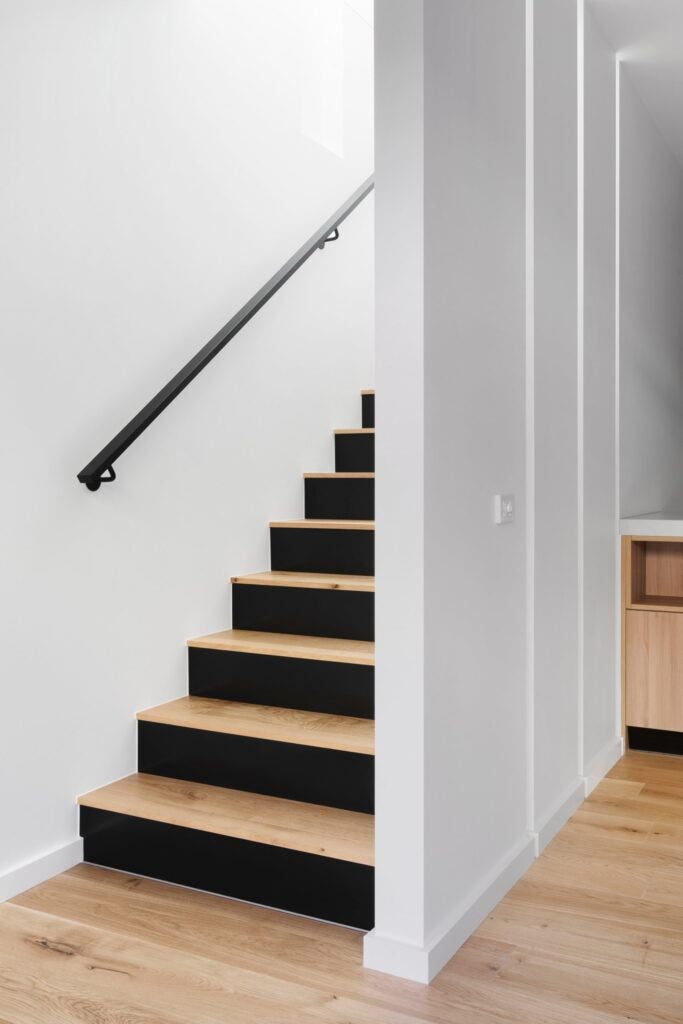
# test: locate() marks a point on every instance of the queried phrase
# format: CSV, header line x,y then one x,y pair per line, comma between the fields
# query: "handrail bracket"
x,y
330,238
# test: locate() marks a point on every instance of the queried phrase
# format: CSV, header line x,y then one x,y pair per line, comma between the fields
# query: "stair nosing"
x,y
355,430
343,582
339,476
367,525
349,652
264,730
244,815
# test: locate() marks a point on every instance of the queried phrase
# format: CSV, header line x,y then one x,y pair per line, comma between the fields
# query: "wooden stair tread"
x,y
285,725
307,580
290,824
339,476
356,430
286,645
323,524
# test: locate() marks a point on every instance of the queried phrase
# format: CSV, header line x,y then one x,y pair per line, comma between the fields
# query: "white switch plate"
x,y
503,508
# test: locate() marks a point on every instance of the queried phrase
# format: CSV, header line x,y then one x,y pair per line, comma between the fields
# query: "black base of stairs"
x,y
345,614
354,453
337,551
368,404
334,778
304,883
328,686
339,497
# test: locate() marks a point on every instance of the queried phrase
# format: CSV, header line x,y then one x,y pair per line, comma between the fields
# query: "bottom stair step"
x,y
282,853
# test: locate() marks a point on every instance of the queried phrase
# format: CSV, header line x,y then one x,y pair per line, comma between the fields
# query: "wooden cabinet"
x,y
652,576
654,669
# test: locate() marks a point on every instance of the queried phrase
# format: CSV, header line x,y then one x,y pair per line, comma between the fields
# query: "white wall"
x,y
487,635
651,313
451,659
601,691
399,454
155,173
556,536
474,447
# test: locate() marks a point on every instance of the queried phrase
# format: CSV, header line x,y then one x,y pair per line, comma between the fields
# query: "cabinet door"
x,y
654,670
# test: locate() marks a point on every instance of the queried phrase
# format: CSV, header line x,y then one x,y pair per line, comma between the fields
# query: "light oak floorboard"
x,y
568,945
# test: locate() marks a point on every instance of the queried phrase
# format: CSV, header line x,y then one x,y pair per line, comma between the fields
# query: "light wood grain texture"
x,y
653,574
307,580
657,539
309,828
339,476
567,946
626,574
368,391
323,524
654,669
285,645
663,569
634,569
356,430
651,603
284,725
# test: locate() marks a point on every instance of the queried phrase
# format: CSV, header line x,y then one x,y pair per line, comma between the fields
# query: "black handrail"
x,y
101,469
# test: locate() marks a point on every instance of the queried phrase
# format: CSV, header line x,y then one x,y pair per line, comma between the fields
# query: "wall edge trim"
x,y
604,760
551,824
422,963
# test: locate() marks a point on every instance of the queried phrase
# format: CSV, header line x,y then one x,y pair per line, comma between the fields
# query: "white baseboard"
x,y
551,824
391,956
422,963
24,876
597,768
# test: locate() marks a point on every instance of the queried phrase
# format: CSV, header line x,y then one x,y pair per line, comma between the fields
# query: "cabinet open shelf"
x,y
654,578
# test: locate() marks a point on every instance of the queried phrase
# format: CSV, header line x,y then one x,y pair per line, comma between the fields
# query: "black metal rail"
x,y
101,469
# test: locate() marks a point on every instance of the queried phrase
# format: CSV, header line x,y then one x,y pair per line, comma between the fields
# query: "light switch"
x,y
503,508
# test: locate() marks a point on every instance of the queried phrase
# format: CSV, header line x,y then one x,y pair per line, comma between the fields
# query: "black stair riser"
x,y
326,686
354,453
336,551
661,741
368,410
340,498
303,883
345,614
335,778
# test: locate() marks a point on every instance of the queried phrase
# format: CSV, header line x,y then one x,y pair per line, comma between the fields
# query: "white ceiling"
x,y
648,35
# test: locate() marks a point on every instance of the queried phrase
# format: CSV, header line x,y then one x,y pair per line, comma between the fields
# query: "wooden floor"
x,y
592,935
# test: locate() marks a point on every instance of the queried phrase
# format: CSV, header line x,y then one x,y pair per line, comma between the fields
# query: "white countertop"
x,y
652,524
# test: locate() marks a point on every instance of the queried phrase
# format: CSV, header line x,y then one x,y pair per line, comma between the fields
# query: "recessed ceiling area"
x,y
648,35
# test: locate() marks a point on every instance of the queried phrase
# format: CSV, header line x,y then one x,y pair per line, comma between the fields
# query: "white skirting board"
x,y
422,963
597,768
24,876
551,823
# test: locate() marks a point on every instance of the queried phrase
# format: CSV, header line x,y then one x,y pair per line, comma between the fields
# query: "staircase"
x,y
260,783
